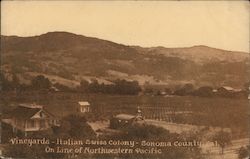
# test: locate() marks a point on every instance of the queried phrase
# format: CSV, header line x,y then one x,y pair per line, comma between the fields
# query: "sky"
x,y
219,24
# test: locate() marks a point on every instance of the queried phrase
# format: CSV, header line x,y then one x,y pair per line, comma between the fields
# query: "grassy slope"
x,y
74,57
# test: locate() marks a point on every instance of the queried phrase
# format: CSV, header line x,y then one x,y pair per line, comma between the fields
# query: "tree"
x,y
205,91
148,91
168,91
5,85
244,152
74,126
127,87
223,139
40,82
185,90
94,86
15,82
84,84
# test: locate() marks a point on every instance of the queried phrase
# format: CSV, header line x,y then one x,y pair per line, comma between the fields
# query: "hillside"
x,y
200,53
67,58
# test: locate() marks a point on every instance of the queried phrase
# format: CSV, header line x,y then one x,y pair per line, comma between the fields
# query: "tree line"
x,y
203,91
37,83
118,86
40,82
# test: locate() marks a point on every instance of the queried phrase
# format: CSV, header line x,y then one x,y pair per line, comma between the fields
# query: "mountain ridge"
x,y
74,34
76,57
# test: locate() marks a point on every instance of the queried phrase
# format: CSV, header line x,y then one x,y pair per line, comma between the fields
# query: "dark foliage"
x,y
118,87
40,82
205,91
74,126
244,152
187,89
223,139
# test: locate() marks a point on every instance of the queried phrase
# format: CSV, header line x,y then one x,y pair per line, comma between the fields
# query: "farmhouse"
x,y
228,89
31,118
124,120
84,106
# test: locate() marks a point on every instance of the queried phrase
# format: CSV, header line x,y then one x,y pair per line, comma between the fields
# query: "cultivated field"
x,y
216,112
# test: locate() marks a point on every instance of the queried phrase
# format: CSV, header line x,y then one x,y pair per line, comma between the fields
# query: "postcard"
x,y
125,79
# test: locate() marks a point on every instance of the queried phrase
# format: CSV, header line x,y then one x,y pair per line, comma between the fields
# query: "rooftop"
x,y
26,111
83,103
125,116
31,105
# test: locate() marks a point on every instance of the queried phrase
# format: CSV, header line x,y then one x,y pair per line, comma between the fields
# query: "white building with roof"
x,y
84,107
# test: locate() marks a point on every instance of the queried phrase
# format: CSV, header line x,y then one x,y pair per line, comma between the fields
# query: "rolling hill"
x,y
68,58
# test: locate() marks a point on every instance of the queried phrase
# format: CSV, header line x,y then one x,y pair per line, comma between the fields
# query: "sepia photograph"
x,y
125,79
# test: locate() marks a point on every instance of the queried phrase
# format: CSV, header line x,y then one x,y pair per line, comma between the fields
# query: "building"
x,y
31,118
84,107
228,89
124,120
